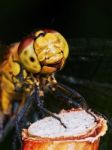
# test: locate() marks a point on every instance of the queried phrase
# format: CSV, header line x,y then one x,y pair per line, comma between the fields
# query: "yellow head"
x,y
44,52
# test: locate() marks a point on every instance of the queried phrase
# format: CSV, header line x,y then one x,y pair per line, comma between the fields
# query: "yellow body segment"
x,y
8,71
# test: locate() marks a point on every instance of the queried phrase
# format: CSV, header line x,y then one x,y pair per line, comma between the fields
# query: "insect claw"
x,y
62,124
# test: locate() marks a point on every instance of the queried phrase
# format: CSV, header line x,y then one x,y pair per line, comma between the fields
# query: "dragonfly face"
x,y
44,52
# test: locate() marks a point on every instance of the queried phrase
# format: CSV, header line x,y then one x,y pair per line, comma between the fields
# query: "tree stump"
x,y
83,131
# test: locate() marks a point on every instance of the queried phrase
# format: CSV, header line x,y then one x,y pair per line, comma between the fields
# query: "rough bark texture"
x,y
59,145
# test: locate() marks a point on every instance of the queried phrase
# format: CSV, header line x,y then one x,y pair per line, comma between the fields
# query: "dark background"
x,y
72,18
87,25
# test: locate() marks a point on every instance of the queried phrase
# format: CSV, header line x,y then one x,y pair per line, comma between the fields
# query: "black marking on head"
x,y
35,37
40,35
32,59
